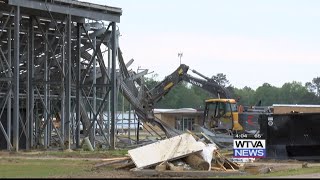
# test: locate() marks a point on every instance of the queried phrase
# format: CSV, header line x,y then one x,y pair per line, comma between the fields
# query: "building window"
x,y
184,123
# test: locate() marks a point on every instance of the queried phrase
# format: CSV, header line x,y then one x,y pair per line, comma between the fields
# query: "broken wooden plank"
x,y
117,158
207,138
234,165
193,134
165,150
228,165
221,165
216,169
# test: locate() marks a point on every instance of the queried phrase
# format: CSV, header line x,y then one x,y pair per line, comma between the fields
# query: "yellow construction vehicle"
x,y
222,114
219,113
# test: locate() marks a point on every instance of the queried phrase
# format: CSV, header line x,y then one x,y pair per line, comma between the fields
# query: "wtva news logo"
x,y
249,148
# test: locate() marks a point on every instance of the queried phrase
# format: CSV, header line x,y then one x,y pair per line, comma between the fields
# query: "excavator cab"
x,y
221,114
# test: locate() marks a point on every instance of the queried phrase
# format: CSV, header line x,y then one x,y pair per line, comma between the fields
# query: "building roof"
x,y
181,110
296,105
59,8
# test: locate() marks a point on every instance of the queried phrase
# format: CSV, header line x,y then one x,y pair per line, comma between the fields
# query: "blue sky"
x,y
251,41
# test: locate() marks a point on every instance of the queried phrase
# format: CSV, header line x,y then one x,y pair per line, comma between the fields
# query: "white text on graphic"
x,y
249,148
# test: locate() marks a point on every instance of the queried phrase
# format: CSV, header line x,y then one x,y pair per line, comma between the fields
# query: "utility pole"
x,y
180,55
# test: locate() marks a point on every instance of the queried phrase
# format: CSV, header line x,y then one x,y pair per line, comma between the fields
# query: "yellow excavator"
x,y
222,114
219,113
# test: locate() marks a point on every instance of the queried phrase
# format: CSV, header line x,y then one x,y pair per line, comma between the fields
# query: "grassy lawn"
x,y
289,172
31,168
78,154
55,168
12,167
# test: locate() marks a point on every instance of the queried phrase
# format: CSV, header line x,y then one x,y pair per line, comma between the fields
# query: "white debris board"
x,y
168,149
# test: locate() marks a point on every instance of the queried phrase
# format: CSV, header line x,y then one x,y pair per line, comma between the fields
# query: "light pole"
x,y
180,55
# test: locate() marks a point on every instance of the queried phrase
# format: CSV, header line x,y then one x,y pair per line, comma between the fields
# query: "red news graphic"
x,y
249,148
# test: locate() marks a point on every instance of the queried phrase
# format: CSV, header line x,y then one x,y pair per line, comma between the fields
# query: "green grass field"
x,y
31,168
18,165
289,172
77,154
14,165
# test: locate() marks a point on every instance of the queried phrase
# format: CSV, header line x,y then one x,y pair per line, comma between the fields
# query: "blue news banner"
x,y
249,147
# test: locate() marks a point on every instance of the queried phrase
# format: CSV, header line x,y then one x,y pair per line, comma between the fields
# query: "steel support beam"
x,y
68,82
46,90
9,104
109,95
30,91
63,93
94,99
16,62
78,75
113,87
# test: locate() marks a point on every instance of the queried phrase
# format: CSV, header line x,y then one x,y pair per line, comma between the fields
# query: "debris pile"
x,y
186,152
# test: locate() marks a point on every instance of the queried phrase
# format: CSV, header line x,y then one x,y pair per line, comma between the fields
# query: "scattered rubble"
x,y
183,153
188,155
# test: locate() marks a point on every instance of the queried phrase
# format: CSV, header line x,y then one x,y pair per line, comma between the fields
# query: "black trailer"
x,y
292,135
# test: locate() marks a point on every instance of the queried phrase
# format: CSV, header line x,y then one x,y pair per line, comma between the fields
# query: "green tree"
x,y
292,93
267,93
311,87
245,95
150,82
316,83
221,79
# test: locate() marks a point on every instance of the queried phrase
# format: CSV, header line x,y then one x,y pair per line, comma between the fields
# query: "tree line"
x,y
185,95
